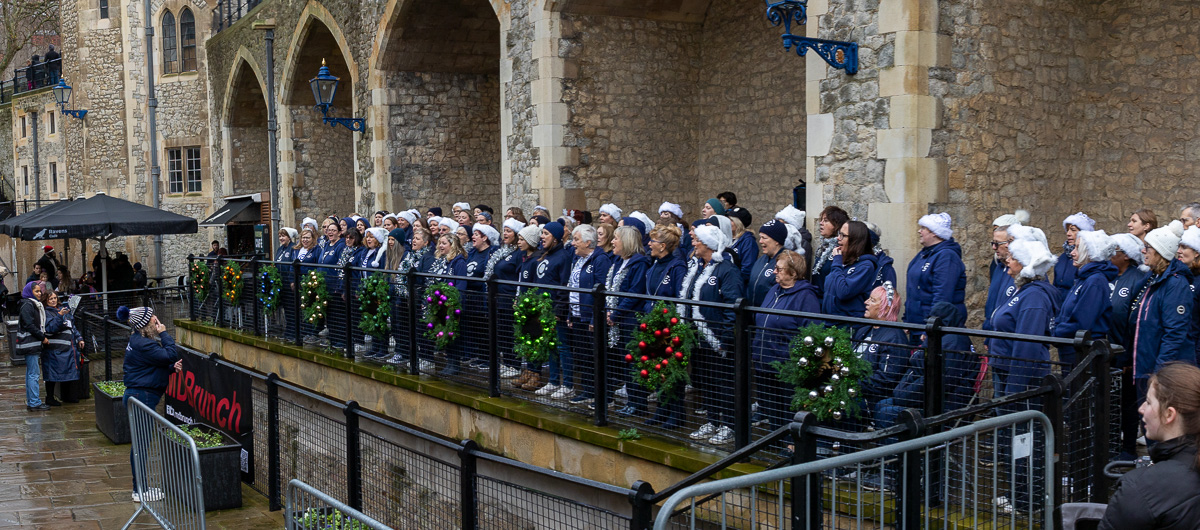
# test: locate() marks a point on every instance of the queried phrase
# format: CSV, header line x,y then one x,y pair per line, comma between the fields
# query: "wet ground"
x,y
57,471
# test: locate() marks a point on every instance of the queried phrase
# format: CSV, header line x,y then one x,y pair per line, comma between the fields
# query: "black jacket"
x,y
1163,496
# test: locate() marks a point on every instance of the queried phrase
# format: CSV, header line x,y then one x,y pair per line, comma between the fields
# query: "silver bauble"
x,y
844,371
837,414
828,389
808,341
851,392
835,378
802,362
837,361
813,394
820,351
842,403
829,341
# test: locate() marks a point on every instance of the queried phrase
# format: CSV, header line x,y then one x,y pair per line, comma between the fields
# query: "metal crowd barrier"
x,y
167,466
311,509
993,473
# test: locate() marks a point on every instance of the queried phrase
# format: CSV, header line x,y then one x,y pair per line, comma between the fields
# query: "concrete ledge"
x,y
517,429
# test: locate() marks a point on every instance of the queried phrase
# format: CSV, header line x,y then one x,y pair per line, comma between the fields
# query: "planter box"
x,y
111,416
78,389
221,473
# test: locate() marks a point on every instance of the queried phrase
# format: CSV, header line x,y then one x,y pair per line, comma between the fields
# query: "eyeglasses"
x,y
842,236
998,244
656,241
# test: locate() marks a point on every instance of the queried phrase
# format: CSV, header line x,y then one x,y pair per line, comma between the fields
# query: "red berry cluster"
x,y
658,352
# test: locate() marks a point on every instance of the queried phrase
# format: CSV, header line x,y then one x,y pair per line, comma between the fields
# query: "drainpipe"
x,y
272,128
37,171
152,114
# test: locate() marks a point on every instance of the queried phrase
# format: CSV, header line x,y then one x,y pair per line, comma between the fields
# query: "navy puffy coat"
x,y
1030,311
747,251
148,362
1162,319
935,274
663,277
1086,306
848,287
1126,289
60,357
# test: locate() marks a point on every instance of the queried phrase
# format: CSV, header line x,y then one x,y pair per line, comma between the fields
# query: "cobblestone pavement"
x,y
57,471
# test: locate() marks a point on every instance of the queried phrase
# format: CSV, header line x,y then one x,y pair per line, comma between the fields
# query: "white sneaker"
x,y
754,407
705,431
397,359
724,435
360,349
392,343
508,372
426,367
563,392
621,392
152,495
550,388
369,339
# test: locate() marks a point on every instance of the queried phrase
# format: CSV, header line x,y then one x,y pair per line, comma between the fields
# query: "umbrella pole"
x,y
104,272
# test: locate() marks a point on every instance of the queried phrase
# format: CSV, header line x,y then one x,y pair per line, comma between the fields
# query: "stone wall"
x,y
7,161
444,138
324,178
518,71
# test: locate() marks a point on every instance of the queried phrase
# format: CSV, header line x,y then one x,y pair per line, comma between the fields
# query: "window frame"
x,y
170,42
187,47
53,177
175,180
193,170
53,124
25,174
103,9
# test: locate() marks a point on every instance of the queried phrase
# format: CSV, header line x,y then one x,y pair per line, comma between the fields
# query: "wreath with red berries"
x,y
660,350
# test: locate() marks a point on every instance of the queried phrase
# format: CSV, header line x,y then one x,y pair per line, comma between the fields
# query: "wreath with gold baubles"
x,y
200,276
660,349
825,372
534,335
314,297
375,304
443,307
231,282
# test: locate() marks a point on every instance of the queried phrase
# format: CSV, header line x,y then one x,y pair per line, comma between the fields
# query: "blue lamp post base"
x,y
78,114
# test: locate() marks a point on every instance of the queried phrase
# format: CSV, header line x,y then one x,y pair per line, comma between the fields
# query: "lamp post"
x,y
324,88
62,95
838,54
268,26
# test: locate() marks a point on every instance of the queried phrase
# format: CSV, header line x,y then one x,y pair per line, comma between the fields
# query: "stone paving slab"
x,y
57,471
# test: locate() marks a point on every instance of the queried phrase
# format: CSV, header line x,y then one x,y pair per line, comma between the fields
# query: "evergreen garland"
x,y
314,298
534,337
660,350
375,303
269,285
231,282
825,371
443,307
201,279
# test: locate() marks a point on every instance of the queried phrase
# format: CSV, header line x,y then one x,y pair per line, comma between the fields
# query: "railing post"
x,y
191,290
806,491
347,281
274,487
741,374
1052,407
935,383
297,278
492,314
107,351
641,496
599,355
220,291
466,483
353,457
1100,421
911,473
257,313
414,361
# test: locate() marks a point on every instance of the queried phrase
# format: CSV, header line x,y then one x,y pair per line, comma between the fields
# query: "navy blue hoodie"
x,y
888,351
592,271
476,264
1160,332
663,277
1000,290
1064,272
553,268
747,251
509,269
1086,306
885,271
774,334
935,274
1125,290
848,288
329,256
762,278
633,282
1030,311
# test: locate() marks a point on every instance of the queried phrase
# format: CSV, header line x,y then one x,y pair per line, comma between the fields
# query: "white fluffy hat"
x,y
1009,219
726,228
1028,233
939,224
671,207
791,215
794,241
514,225
1035,258
409,216
310,221
612,210
1081,221
1191,238
488,232
712,238
461,206
1165,239
1130,245
1099,246
381,235
645,219
446,221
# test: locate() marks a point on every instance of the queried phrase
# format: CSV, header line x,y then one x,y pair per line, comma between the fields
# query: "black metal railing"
x,y
229,11
32,77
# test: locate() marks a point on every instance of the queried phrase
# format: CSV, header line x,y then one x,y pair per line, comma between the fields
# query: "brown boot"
x,y
521,379
534,382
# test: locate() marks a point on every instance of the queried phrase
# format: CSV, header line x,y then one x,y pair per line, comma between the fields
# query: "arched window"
x,y
170,51
187,37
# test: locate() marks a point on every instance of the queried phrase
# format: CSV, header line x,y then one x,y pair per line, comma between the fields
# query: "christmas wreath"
x,y
443,306
375,303
269,286
231,282
201,276
534,338
314,298
660,350
825,371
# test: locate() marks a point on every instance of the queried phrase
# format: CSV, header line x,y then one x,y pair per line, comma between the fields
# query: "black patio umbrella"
x,y
31,216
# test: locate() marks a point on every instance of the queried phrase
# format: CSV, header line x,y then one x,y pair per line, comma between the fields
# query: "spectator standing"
x,y
936,273
53,65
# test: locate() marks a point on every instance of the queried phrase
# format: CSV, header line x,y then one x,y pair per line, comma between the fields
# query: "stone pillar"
x,y
869,135
552,113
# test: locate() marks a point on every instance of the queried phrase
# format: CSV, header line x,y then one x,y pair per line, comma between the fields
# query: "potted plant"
x,y
220,466
111,417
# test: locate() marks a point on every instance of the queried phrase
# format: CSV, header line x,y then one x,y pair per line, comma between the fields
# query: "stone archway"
x,y
318,161
245,133
438,67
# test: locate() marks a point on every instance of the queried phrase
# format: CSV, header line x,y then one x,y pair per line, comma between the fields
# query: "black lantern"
x,y
62,96
324,89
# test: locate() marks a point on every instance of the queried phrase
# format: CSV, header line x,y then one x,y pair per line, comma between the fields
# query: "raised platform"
x,y
524,431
